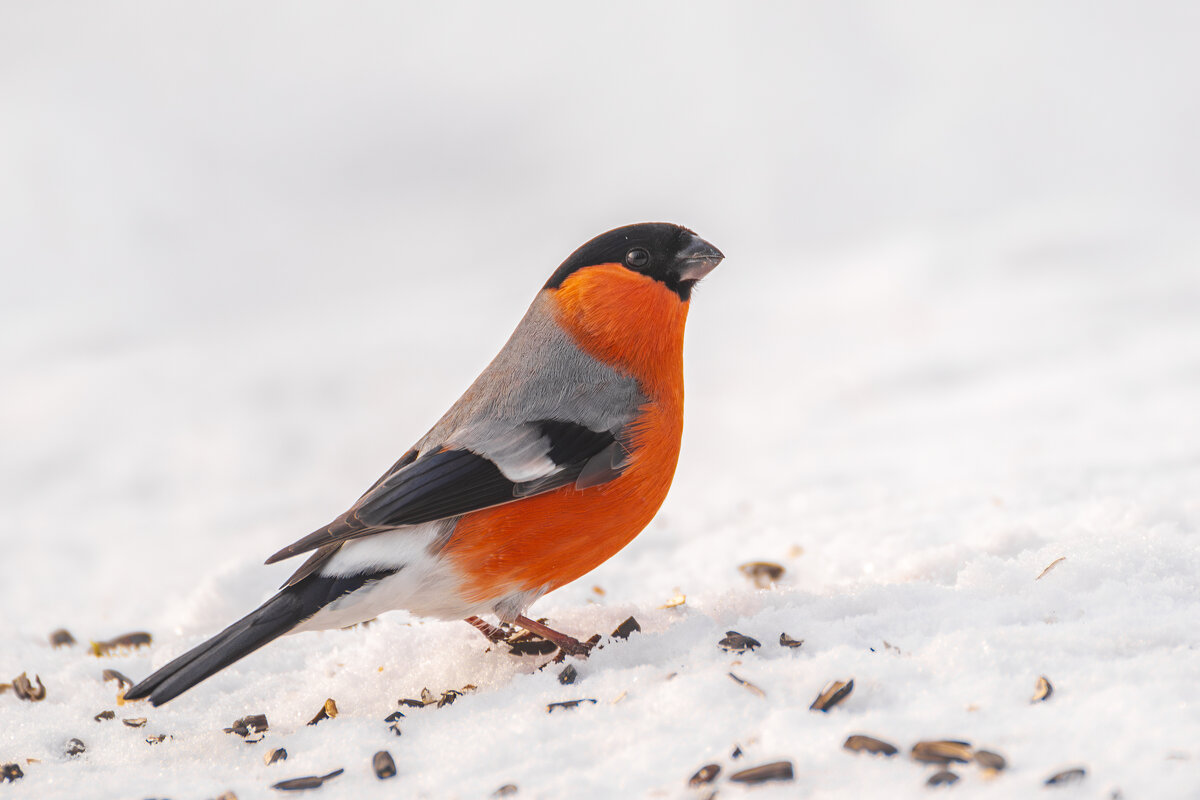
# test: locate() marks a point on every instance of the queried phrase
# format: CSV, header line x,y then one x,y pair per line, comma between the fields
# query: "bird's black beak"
x,y
696,259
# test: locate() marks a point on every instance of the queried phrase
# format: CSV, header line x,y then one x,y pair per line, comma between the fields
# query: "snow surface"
x,y
251,252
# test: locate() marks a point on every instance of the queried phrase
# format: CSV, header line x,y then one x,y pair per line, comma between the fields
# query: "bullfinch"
x,y
558,454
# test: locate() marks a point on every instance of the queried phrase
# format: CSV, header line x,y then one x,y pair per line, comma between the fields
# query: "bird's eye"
x,y
637,257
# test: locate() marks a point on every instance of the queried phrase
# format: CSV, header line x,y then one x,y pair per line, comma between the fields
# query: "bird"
x,y
555,458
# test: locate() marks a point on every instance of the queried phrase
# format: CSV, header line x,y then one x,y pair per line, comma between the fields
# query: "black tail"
x,y
269,621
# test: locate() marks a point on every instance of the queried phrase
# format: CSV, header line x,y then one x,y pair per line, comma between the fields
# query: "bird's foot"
x,y
568,645
491,632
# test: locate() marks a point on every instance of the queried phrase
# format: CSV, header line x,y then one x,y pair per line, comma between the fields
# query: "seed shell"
x,y
273,756
135,722
383,764
750,686
776,771
11,772
989,760
706,774
61,638
507,790
1043,690
833,693
328,711
787,641
568,675
125,641
1067,776
942,778
103,715
626,628
113,675
568,704
735,642
942,751
868,744
765,574
248,727
25,689
75,747
307,782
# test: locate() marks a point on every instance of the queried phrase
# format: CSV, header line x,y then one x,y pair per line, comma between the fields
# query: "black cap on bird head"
x,y
665,252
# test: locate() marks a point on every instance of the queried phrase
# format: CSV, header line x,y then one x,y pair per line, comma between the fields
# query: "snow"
x,y
250,257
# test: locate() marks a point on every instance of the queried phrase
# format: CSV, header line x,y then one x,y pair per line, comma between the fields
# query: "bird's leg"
x,y
568,644
490,632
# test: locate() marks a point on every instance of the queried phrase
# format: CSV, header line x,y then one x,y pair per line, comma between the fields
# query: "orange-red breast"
x,y
559,453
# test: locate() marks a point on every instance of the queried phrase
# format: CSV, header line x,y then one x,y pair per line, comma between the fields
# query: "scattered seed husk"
x,y
568,675
103,715
128,641
776,771
328,711
765,574
507,790
383,765
942,751
677,599
869,744
532,647
448,697
750,686
1043,690
61,638
75,747
112,675
626,628
1051,566
833,693
624,693
943,778
568,704
250,728
25,689
735,642
134,722
705,774
787,641
395,716
159,739
395,728
307,782
4,687
989,760
11,772
736,753
226,796
1066,776
276,755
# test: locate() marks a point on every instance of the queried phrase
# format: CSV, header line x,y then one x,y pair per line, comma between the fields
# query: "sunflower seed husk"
x,y
328,711
1043,690
125,641
248,727
750,686
25,689
226,796
61,638
705,774
869,744
1066,776
626,628
736,753
568,675
134,722
942,778
11,772
278,754
395,716
568,704
103,715
307,782
507,790
448,697
112,675
156,739
383,764
787,641
942,751
735,642
532,647
777,771
833,693
989,760
4,687
1052,565
75,747
677,599
765,574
